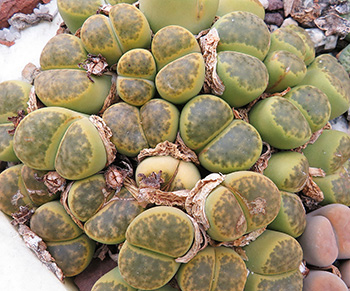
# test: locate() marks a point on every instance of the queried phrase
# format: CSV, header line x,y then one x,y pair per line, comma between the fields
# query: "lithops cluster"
x,y
249,109
66,242
223,144
14,96
326,236
136,128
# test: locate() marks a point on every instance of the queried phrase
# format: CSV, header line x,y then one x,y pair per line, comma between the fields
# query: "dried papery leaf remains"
x,y
29,72
261,164
104,9
199,243
16,120
105,133
115,176
94,65
208,44
20,21
22,216
312,190
38,246
112,96
195,202
177,150
54,182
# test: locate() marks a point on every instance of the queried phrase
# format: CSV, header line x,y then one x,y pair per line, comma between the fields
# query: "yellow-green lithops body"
x,y
253,6
280,123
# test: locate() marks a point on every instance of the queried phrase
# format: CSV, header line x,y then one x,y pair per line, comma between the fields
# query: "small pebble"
x,y
289,21
274,18
275,5
265,3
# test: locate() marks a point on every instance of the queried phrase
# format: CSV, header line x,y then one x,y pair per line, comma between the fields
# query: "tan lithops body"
x,y
319,279
232,29
109,224
63,51
72,89
280,123
75,15
136,71
258,196
193,15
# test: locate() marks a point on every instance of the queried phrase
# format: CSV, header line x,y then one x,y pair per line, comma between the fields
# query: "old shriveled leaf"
x,y
333,24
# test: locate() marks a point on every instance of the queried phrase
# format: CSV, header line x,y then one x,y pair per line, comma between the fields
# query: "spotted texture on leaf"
x,y
135,91
162,229
6,144
72,256
145,269
202,119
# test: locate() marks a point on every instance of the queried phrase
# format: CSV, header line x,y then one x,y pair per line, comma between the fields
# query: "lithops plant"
x,y
232,28
66,242
213,268
222,143
287,40
136,71
245,77
192,15
273,260
72,89
288,170
344,58
135,129
63,51
329,76
155,238
285,70
177,174
330,151
23,186
244,202
309,44
280,123
54,138
253,6
326,237
323,280
109,224
125,28
180,64
14,96
291,219
312,103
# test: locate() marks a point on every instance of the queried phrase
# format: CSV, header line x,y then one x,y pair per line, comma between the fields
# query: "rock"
x,y
274,18
275,5
10,7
